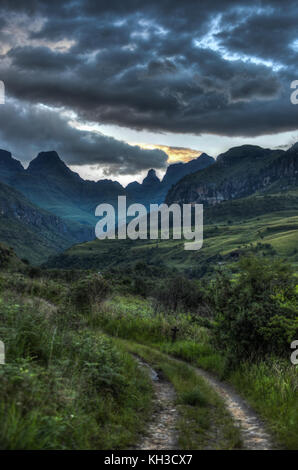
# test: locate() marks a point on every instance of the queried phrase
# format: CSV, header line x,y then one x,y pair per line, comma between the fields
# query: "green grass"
x,y
70,383
65,386
260,224
271,388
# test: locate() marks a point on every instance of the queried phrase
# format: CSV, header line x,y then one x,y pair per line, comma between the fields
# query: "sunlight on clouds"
x,y
18,30
175,154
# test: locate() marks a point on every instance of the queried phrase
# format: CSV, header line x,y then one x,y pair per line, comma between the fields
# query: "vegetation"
x,y
64,386
32,232
70,380
228,334
73,325
263,225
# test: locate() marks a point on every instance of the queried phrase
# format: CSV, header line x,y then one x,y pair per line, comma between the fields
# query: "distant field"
x,y
230,230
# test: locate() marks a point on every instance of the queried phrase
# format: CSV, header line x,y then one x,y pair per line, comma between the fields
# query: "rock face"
x,y
151,179
49,165
48,207
150,191
237,173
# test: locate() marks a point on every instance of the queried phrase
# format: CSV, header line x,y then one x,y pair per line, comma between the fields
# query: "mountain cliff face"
x,y
239,172
51,185
150,191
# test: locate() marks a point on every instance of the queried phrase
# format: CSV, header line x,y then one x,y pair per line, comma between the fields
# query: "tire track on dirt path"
x,y
253,433
161,433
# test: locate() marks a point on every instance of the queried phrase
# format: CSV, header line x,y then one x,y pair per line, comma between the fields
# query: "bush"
x,y
89,290
179,293
256,313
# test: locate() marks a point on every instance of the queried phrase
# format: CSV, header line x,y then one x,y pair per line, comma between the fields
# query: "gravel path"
x,y
161,433
253,433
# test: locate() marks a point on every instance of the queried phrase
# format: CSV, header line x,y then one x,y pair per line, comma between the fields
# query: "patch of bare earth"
x,y
253,433
161,432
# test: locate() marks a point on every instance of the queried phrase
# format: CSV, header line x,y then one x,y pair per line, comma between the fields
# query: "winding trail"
x,y
253,433
161,433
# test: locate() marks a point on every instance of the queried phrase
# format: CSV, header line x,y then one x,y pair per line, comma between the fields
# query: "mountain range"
x,y
48,207
250,198
51,185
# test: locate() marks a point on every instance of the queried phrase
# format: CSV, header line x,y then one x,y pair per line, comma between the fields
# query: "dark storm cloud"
x,y
41,58
39,128
221,67
266,35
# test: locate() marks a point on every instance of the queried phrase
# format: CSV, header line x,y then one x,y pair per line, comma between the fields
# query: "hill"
x,y
33,233
154,191
256,224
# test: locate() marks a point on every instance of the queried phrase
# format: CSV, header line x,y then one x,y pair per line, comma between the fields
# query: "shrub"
x,y
179,293
89,290
256,313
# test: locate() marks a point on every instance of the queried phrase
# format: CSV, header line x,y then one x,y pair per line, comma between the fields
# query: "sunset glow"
x,y
175,154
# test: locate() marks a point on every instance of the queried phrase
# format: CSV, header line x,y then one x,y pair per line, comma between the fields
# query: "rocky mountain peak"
x,y
8,162
50,163
151,178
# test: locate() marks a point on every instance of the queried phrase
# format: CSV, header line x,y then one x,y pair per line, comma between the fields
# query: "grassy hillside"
x,y
258,224
32,232
71,382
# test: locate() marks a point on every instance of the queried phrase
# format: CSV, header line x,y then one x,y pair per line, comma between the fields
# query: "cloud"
x,y
36,129
41,58
197,67
175,154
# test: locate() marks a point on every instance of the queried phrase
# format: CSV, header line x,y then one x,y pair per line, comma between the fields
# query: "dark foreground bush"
x,y
256,314
179,293
92,289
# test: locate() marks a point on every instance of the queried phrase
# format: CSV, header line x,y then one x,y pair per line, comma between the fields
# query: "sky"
x,y
117,88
